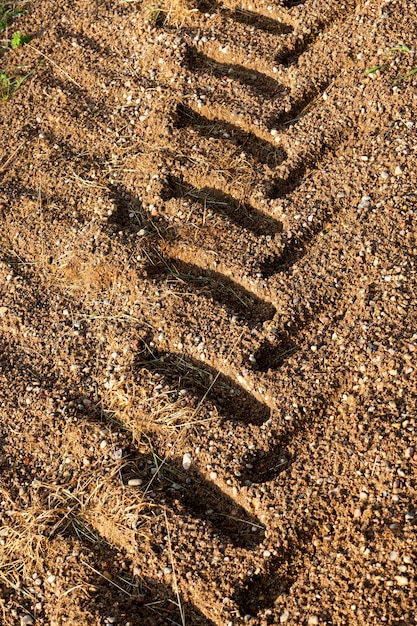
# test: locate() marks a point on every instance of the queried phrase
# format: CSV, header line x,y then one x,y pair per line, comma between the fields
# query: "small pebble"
x,y
365,202
402,581
26,619
135,482
103,444
409,453
284,617
168,570
186,461
213,475
313,620
393,556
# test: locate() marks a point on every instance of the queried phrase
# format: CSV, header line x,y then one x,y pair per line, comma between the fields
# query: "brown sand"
x,y
208,248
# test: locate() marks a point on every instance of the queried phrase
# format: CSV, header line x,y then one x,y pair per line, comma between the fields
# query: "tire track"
x,y
215,499
234,287
216,118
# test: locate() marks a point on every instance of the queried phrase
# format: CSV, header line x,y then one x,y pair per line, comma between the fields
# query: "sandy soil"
x,y
208,299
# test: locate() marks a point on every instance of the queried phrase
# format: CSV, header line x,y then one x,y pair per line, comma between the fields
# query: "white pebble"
x,y
186,461
393,556
213,475
103,444
402,581
313,620
135,482
284,617
26,619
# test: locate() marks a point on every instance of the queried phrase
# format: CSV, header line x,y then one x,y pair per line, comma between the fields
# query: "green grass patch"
x,y
400,48
9,81
8,12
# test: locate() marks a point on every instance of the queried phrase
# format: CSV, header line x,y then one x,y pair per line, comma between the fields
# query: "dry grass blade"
x,y
175,581
92,507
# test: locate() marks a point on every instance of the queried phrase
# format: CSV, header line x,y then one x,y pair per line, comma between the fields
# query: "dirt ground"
x,y
208,307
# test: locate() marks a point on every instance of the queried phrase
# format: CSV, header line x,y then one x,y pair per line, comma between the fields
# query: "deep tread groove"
x,y
224,392
259,21
270,356
239,212
239,301
263,151
257,82
206,501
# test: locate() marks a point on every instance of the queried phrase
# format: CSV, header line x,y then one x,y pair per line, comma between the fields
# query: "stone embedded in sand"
x,y
186,461
402,581
365,202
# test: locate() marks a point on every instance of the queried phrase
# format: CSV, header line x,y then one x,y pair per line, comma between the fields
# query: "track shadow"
x,y
270,356
261,150
128,214
212,285
260,84
216,200
133,599
260,591
232,400
191,494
